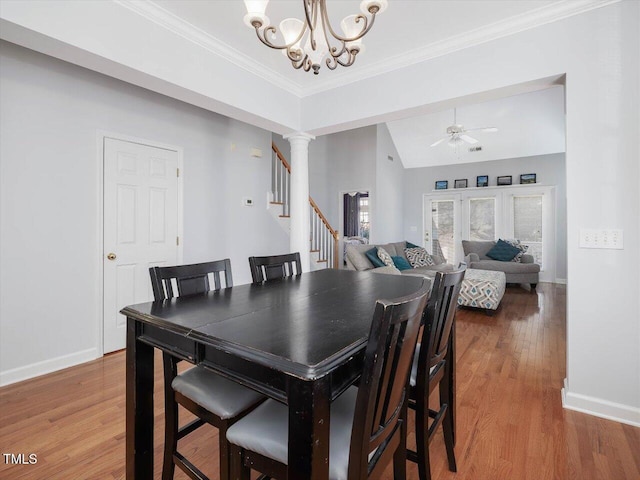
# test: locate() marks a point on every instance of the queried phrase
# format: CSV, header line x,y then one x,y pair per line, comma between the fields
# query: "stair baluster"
x,y
323,239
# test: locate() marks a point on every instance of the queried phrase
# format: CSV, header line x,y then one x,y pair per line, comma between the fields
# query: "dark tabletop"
x,y
303,324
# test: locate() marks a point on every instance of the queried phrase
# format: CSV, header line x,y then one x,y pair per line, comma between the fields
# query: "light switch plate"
x,y
604,238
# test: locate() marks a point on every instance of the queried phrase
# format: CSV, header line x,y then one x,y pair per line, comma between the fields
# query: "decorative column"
x,y
299,237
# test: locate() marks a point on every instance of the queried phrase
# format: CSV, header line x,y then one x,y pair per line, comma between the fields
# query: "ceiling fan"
x,y
457,134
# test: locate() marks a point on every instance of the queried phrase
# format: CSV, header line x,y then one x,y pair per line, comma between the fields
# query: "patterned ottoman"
x,y
482,289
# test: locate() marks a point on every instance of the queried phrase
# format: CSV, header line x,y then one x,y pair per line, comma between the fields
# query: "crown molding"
x,y
519,23
162,17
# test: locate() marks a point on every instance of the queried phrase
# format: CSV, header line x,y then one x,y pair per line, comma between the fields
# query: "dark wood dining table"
x,y
298,340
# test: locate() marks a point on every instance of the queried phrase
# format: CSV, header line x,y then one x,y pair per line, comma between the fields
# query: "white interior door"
x,y
140,227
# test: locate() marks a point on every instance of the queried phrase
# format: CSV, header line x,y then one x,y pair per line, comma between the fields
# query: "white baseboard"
x,y
561,281
600,408
47,366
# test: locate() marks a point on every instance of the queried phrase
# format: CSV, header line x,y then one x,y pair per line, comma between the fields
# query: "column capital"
x,y
299,136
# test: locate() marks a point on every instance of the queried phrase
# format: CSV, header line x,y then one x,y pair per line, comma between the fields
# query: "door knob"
x,y
111,256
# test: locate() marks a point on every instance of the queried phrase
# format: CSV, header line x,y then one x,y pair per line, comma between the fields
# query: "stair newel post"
x,y
298,195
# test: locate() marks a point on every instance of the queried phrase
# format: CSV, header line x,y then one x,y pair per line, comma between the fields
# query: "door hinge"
x,y
177,240
177,172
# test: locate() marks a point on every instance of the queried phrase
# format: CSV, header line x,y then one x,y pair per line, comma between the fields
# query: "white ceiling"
x,y
404,31
528,124
531,124
200,52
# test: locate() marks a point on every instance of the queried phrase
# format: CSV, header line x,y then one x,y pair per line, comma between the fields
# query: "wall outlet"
x,y
247,201
256,152
605,238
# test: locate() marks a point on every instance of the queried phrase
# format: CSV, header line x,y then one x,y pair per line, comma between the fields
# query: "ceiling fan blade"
x,y
439,141
482,129
468,139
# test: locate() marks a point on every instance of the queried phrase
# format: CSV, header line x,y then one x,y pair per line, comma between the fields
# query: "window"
x,y
482,219
364,216
527,223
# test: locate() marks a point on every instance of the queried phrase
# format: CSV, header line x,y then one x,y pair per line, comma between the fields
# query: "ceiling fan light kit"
x,y
310,42
456,134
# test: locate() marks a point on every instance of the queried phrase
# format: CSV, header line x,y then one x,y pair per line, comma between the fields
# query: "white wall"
x,y
549,170
599,53
345,163
49,197
388,206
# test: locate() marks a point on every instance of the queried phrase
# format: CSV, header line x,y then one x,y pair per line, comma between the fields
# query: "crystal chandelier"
x,y
307,43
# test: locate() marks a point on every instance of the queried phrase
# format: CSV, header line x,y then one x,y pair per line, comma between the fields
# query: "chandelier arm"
x,y
350,60
332,50
308,10
273,30
365,27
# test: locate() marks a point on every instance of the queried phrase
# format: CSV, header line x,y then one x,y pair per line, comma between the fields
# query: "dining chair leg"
x,y
447,421
237,469
170,368
225,454
422,439
400,455
447,427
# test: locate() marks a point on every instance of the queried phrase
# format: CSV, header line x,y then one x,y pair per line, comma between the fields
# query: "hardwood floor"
x,y
511,424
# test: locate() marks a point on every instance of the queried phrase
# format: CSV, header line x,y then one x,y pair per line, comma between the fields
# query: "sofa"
x,y
356,259
525,271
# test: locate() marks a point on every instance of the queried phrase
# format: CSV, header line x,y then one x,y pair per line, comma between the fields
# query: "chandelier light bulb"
x,y
352,28
256,13
290,29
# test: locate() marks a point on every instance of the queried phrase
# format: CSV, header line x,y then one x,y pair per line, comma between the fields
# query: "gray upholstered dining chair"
x,y
273,267
213,399
432,367
367,429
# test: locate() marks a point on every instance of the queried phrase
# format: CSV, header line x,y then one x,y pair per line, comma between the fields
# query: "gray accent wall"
x,y
549,170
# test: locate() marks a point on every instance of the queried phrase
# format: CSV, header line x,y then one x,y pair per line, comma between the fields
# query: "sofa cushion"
x,y
401,263
506,267
418,257
477,247
391,269
356,254
523,249
385,257
372,255
503,251
390,248
399,246
410,245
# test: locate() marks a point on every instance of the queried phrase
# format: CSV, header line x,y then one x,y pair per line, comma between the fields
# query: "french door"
x,y
442,232
485,214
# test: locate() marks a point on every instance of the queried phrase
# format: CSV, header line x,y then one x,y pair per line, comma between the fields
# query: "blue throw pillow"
x,y
372,255
411,245
503,251
401,263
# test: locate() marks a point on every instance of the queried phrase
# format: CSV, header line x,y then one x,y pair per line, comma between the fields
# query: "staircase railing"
x,y
323,238
280,180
